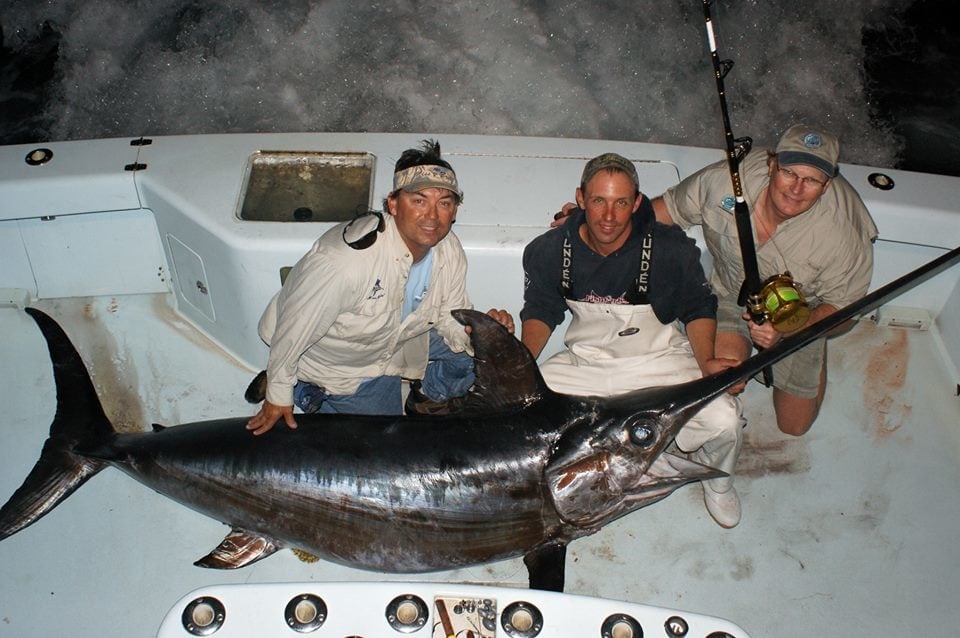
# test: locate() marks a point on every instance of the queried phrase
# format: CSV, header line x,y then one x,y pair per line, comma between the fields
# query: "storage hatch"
x,y
307,186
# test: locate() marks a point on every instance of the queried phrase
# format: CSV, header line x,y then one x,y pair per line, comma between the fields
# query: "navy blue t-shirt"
x,y
676,286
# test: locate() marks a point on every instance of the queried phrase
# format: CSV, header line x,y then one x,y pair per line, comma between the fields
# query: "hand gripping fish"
x,y
519,471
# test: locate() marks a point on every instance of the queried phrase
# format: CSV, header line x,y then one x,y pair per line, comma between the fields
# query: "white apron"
x,y
615,348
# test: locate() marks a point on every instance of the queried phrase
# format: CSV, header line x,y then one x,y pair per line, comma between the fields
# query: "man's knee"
x,y
795,415
730,428
732,345
449,378
793,426
717,425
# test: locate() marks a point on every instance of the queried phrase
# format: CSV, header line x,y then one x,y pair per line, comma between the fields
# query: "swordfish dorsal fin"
x,y
507,375
239,548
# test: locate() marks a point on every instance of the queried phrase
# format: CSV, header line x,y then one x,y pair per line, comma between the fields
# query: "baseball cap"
x,y
610,161
808,145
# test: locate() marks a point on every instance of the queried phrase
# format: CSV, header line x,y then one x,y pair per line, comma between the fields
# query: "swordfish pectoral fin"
x,y
546,566
238,549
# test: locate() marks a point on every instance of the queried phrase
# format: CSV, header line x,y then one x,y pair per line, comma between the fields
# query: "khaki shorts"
x,y
798,374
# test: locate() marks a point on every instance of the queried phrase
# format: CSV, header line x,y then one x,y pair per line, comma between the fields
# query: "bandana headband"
x,y
418,178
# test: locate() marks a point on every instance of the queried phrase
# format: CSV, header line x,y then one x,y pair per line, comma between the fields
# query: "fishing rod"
x,y
715,384
737,148
778,293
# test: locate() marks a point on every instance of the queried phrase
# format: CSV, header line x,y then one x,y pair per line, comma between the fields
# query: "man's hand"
x,y
764,335
503,318
559,219
713,366
264,420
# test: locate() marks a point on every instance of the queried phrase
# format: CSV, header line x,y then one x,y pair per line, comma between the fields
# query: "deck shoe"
x,y
419,403
257,390
724,507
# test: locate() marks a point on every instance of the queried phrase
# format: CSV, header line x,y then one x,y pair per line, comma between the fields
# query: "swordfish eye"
x,y
642,433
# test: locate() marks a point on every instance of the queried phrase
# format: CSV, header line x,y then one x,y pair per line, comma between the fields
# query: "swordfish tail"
x,y
79,424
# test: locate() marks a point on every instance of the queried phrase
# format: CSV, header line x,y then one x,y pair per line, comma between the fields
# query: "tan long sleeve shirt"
x,y
337,319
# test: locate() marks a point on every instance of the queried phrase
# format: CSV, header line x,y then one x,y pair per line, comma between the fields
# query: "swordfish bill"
x,y
519,471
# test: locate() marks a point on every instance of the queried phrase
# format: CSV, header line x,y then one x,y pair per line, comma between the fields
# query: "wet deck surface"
x,y
850,530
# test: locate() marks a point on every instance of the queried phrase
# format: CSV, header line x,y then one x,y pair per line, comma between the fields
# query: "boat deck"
x,y
849,530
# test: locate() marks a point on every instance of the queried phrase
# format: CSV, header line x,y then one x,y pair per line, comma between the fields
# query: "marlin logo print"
x,y
376,292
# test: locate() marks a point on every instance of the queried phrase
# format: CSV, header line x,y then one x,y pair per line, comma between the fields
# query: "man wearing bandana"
x,y
370,304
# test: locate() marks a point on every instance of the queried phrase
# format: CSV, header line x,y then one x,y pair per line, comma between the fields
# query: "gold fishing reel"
x,y
781,302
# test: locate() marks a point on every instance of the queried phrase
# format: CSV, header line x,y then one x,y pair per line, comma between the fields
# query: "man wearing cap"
x,y
808,220
629,282
370,303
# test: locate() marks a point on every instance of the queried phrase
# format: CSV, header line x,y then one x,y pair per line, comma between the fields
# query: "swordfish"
x,y
519,471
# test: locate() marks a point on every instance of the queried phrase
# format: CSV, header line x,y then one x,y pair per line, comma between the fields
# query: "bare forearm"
x,y
765,336
534,334
822,312
702,334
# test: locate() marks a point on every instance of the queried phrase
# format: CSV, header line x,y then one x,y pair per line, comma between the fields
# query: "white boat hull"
x,y
848,530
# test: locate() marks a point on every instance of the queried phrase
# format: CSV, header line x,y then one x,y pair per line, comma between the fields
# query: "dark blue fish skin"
x,y
392,494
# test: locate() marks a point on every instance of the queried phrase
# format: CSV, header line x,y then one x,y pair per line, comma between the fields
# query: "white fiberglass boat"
x,y
157,256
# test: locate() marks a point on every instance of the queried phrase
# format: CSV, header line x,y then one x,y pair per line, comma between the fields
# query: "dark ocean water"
x,y
914,83
882,74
